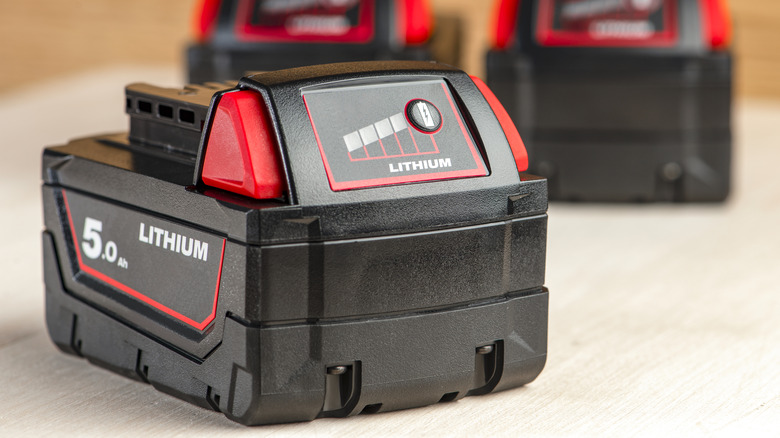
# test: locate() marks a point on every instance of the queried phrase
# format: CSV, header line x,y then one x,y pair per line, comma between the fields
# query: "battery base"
x,y
303,370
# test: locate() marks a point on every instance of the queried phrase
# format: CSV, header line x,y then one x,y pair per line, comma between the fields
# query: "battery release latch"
x,y
242,155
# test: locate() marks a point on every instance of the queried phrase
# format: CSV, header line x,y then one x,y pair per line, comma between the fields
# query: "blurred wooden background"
x,y
41,39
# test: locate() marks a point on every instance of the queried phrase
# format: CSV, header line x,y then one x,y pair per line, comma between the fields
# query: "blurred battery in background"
x,y
236,36
619,100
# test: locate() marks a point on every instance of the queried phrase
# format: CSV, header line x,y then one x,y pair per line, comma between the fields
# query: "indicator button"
x,y
423,115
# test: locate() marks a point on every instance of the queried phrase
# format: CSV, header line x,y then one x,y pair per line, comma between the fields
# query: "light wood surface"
x,y
664,319
41,39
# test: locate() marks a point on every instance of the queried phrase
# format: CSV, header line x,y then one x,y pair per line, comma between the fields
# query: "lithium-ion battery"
x,y
313,242
619,100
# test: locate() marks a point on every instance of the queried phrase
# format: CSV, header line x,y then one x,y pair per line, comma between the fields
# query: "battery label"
x,y
171,268
341,21
391,133
607,23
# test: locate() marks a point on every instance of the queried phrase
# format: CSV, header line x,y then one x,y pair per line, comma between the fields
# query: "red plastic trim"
x,y
415,21
360,34
241,152
138,295
510,130
717,24
205,19
505,22
547,36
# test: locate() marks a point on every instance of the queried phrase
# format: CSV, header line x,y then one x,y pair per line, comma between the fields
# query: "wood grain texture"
x,y
663,318
46,38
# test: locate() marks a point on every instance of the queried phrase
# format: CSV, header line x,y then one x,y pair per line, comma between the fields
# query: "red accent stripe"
x,y
138,295
204,19
413,140
510,130
394,156
72,229
716,21
404,179
505,19
319,143
401,148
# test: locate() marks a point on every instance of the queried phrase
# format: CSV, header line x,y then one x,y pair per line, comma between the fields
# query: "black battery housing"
x,y
328,303
222,53
621,124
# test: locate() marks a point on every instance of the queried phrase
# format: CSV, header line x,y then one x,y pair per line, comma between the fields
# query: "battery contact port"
x,y
145,106
186,116
165,111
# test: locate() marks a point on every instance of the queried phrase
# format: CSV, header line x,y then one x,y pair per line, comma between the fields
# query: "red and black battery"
x,y
313,242
233,37
619,100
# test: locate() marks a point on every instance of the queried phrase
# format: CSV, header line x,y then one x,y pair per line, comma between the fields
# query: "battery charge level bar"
x,y
371,142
